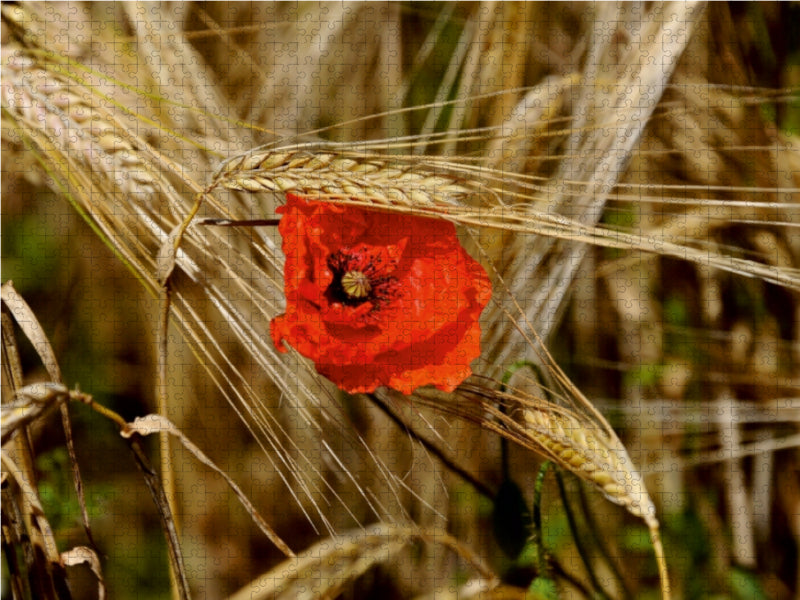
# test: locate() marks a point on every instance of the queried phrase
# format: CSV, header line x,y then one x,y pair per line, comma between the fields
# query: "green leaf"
x,y
745,585
542,588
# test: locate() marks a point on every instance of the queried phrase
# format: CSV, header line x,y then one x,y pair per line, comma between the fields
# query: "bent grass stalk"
x,y
571,437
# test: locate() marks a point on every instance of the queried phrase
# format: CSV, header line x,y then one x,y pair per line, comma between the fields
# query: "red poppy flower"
x,y
377,298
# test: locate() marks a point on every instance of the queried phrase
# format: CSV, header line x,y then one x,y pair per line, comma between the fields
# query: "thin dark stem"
x,y
576,536
562,573
448,462
239,223
598,539
156,491
77,480
167,521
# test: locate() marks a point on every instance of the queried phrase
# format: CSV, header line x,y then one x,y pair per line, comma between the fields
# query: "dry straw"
x,y
224,289
324,569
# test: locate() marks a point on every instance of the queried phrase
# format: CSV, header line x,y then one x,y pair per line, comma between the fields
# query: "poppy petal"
x,y
379,299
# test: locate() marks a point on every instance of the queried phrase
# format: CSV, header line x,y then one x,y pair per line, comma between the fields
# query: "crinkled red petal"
x,y
428,333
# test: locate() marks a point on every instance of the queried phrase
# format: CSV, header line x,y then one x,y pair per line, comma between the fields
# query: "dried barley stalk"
x,y
591,455
342,174
453,190
73,123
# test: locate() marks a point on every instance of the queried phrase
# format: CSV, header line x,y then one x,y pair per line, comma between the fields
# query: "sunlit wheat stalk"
x,y
76,122
415,185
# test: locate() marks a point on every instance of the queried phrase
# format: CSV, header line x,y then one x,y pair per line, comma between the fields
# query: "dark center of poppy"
x,y
360,274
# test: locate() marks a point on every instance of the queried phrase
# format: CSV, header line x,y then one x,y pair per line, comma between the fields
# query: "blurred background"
x,y
696,368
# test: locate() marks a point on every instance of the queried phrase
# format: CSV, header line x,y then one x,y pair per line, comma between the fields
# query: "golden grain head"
x,y
45,104
588,452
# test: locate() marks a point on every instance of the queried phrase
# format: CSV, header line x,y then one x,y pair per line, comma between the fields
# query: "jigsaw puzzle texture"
x,y
400,300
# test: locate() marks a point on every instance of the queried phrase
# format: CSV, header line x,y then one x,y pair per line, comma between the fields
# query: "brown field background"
x,y
693,362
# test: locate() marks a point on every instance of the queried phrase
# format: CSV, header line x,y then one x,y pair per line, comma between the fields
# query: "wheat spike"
x,y
92,156
597,456
450,189
591,455
342,174
579,440
73,123
570,438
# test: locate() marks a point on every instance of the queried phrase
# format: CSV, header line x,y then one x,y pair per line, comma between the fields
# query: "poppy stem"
x,y
240,223
448,462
